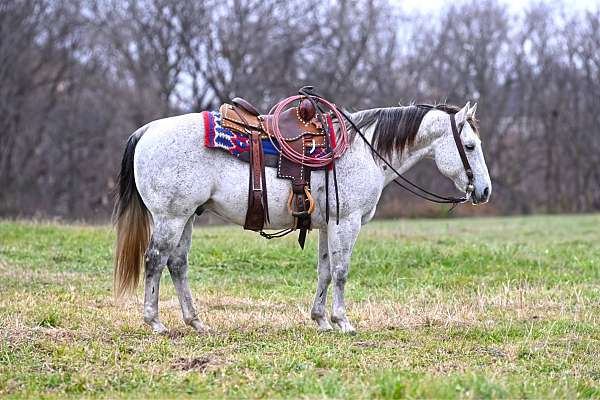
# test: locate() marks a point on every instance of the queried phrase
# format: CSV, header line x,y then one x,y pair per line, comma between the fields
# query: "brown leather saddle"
x,y
303,132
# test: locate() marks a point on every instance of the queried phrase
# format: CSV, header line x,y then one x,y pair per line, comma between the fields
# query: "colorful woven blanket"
x,y
216,136
236,144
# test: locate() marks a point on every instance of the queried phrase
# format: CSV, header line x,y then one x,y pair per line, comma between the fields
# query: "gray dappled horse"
x,y
167,175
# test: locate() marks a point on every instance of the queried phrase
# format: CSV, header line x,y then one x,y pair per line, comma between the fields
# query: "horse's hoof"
x,y
324,325
200,328
349,331
160,330
346,327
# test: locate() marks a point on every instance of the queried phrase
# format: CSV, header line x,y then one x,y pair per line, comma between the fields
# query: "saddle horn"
x,y
245,105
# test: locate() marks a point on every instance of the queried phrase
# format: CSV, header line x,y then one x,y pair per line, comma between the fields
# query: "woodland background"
x,y
78,76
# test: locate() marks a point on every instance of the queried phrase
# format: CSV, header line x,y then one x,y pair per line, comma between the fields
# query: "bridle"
x,y
417,190
463,155
405,183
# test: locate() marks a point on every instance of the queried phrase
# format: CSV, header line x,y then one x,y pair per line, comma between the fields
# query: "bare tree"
x,y
37,41
76,77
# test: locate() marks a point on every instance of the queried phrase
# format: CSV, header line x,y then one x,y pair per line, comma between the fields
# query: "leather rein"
x,y
405,183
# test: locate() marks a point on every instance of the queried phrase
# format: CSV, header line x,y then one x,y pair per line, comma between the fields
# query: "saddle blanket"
x,y
237,144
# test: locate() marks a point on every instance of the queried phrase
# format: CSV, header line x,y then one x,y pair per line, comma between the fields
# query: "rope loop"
x,y
334,152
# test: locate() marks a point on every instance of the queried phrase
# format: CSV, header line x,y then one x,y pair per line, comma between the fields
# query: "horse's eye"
x,y
470,146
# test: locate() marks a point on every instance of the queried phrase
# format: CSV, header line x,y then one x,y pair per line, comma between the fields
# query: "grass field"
x,y
467,308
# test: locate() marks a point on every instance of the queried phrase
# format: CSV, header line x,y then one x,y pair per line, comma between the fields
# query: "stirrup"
x,y
302,213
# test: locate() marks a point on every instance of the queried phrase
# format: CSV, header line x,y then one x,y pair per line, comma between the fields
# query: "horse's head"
x,y
449,161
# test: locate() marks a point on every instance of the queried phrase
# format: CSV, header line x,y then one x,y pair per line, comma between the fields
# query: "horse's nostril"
x,y
486,192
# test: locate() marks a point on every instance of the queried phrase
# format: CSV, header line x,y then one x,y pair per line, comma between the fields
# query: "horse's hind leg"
x,y
178,267
166,235
318,309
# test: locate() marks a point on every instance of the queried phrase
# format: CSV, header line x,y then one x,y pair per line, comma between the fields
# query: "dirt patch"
x,y
198,363
377,344
179,333
59,334
493,352
203,363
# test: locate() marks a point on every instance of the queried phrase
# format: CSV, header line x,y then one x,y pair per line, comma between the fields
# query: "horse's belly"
x,y
230,199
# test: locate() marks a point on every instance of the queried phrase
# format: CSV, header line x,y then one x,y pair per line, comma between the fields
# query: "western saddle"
x,y
303,131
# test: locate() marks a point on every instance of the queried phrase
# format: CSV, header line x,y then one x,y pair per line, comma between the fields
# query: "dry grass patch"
x,y
437,307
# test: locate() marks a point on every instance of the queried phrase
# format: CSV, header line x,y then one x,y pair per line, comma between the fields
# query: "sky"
x,y
432,5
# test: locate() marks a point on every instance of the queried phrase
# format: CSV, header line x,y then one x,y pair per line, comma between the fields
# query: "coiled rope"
x,y
334,151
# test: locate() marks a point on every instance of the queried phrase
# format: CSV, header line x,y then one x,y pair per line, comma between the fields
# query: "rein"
x,y
408,185
336,152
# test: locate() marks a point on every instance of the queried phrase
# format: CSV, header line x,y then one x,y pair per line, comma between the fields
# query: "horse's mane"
x,y
396,127
452,109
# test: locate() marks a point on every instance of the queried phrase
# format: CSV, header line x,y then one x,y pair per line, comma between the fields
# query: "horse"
x,y
167,177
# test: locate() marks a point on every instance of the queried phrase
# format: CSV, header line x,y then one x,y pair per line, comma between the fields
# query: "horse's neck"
x,y
422,147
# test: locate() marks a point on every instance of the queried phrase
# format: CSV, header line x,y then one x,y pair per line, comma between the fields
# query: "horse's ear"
x,y
461,116
471,112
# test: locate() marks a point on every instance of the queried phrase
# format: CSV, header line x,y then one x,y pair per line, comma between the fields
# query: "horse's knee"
x,y
340,274
324,272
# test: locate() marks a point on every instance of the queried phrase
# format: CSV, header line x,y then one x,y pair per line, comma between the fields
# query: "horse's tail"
x,y
132,221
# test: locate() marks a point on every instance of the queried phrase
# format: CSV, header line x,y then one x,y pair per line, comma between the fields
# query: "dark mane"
x,y
397,127
452,109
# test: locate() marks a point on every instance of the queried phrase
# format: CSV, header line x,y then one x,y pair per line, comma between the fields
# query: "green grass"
x,y
464,308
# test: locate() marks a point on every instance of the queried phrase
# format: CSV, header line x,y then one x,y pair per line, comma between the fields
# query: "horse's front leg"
x,y
324,271
341,239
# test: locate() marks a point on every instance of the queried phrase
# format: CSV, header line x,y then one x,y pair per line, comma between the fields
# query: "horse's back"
x,y
174,132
